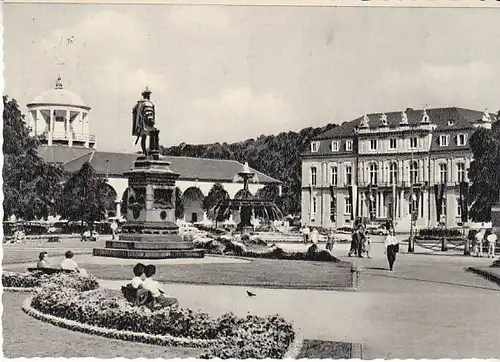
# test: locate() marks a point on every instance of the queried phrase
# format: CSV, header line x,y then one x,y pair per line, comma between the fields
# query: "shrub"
x,y
23,280
439,233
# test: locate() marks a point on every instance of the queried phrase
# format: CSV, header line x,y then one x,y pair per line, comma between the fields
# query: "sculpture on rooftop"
x,y
143,124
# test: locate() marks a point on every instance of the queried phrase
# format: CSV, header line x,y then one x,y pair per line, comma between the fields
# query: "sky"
x,y
229,73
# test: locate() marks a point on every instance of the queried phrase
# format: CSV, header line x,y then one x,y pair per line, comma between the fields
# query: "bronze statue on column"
x,y
143,125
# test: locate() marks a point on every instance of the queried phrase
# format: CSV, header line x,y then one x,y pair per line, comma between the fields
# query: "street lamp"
x,y
411,240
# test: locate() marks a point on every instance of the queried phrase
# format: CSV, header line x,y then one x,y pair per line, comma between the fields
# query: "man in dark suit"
x,y
355,239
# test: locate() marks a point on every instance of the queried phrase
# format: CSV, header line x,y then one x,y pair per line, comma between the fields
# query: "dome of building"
x,y
59,96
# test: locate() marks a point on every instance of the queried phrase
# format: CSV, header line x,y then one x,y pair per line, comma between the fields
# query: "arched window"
x,y
414,172
393,173
373,173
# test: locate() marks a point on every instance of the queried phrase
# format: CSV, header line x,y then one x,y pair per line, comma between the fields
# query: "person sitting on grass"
x,y
42,262
153,286
68,263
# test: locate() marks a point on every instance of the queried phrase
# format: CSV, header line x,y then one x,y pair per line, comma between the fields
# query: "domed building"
x,y
60,117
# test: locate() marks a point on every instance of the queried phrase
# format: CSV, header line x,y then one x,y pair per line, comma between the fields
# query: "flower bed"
x,y
29,281
231,247
79,306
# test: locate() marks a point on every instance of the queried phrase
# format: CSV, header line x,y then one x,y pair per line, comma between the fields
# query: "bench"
x,y
50,271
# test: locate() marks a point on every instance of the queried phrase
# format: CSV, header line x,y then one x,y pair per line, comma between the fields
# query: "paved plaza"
x,y
428,307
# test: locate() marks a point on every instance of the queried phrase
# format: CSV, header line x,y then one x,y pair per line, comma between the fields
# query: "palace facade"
x,y
398,166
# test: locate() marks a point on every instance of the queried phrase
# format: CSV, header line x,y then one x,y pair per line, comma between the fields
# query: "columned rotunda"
x,y
60,117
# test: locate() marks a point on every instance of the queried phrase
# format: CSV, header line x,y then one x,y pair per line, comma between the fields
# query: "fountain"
x,y
247,205
150,231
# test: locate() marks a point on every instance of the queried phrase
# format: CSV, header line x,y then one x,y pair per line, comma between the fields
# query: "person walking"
x,y
354,243
478,247
367,245
361,242
392,247
314,236
305,234
330,241
492,239
114,228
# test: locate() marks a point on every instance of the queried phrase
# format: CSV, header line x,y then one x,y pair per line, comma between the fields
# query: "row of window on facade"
x,y
393,174
443,141
348,208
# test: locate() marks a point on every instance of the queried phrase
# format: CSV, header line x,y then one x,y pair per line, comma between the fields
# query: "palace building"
x,y
398,166
62,121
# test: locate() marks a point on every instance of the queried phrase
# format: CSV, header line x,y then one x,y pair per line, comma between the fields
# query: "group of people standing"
x,y
360,243
479,239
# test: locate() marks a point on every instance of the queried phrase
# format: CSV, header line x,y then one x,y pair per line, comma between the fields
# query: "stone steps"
x,y
149,245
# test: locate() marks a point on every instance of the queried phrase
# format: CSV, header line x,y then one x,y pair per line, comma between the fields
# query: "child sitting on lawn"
x,y
153,286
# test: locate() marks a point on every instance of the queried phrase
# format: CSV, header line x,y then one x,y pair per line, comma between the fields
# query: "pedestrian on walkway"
x,y
492,239
361,241
305,234
354,243
114,228
392,247
367,246
314,236
330,240
478,247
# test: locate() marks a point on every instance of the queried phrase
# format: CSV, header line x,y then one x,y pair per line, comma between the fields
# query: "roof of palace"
x,y
116,164
59,96
460,118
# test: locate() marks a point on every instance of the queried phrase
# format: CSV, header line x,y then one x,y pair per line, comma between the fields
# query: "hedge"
x,y
439,233
38,279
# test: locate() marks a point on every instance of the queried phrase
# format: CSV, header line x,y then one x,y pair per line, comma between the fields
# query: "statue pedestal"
x,y
151,231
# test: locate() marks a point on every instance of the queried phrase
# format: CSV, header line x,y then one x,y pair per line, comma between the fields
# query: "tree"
x,y
84,196
179,203
214,197
31,186
484,172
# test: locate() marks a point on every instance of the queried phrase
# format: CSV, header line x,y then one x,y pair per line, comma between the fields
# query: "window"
x,y
348,145
314,146
393,143
461,171
348,175
443,173
348,205
461,140
314,176
459,207
413,142
443,140
414,172
444,207
373,145
333,209
334,176
314,206
334,146
373,173
393,173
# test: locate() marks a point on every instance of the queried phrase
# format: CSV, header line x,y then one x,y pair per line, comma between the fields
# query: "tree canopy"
x,y
84,196
31,186
215,195
484,172
278,156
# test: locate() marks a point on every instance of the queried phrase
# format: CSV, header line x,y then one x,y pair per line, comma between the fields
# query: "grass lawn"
x,y
289,274
325,350
24,336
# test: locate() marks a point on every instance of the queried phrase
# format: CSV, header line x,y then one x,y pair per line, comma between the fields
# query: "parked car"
x,y
377,230
344,230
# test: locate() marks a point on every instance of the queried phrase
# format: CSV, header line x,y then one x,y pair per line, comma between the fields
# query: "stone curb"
x,y
114,333
485,273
